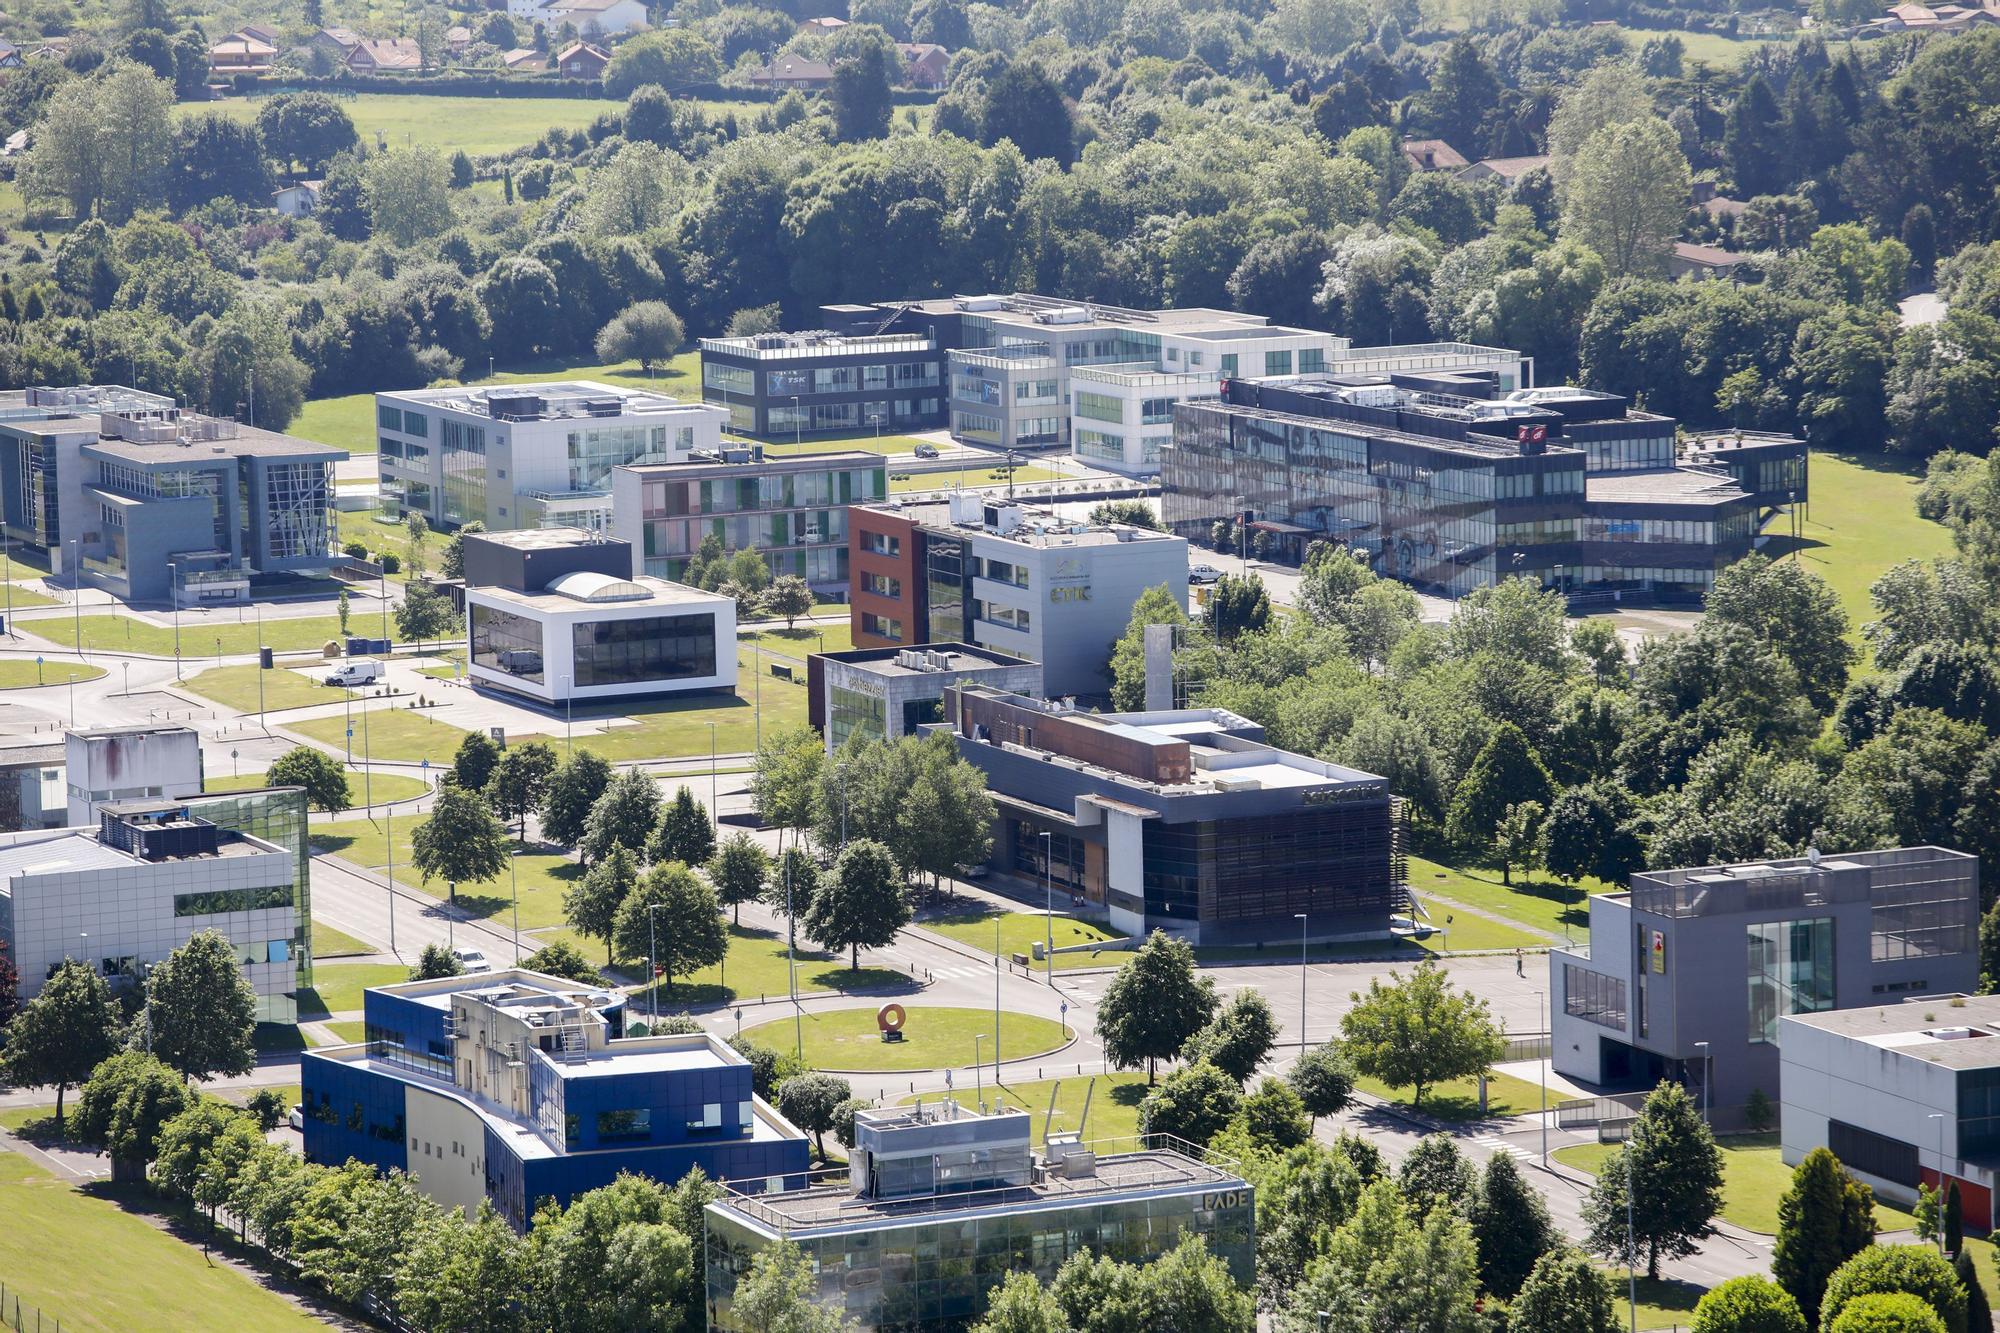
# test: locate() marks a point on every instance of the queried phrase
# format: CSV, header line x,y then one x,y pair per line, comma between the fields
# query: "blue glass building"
x,y
518,1087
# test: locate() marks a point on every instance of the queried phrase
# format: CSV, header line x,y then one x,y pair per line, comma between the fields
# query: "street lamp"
x,y
1542,1070
1939,1117
1300,917
1707,1070
72,700
569,747
1049,905
714,810
653,967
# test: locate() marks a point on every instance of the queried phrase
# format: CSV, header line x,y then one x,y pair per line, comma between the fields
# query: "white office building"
x,y
118,764
527,455
151,874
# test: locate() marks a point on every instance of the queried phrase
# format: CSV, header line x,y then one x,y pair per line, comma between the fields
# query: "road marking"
x,y
1494,1143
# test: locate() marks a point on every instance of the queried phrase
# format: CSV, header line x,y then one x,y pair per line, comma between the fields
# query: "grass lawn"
x,y
1021,931
1458,1100
543,875
802,639
198,636
1114,1104
679,727
330,943
473,125
22,598
971,476
18,673
889,446
61,1247
17,1118
1662,1304
365,526
236,687
1864,520
385,787
934,1038
405,734
349,1030
755,969
337,987
1538,903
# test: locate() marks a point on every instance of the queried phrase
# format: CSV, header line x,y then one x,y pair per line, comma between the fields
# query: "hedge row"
x,y
507,85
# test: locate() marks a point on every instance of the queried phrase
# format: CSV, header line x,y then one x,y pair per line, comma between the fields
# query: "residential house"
x,y
1507,170
829,24
10,55
337,44
523,60
1702,261
1433,155
581,60
924,64
456,39
267,33
794,72
240,53
299,200
385,55
593,18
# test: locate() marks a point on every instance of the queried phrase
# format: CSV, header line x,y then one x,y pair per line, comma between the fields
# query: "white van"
x,y
361,671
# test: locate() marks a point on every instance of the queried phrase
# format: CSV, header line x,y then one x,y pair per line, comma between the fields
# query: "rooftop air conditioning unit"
x,y
976,304
1069,314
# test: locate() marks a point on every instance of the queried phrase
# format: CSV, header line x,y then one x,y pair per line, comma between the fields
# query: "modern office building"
x,y
149,498
887,693
124,894
869,370
518,1087
1903,1094
1444,482
557,614
117,764
1001,576
1183,820
943,1204
1689,972
527,455
790,509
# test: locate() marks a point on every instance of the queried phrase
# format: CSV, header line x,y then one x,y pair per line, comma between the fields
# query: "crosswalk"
x,y
960,973
1494,1143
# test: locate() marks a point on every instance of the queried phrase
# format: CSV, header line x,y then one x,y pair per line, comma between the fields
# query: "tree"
x,y
1516,840
409,194
1418,1032
461,171
436,961
1192,1104
1154,606
1021,1304
103,144
345,610
128,1098
778,1295
591,904
864,67
1023,106
788,597
60,1036
673,919
305,129
520,783
811,1101
1626,194
683,833
323,777
215,157
793,885
1512,1226
451,564
860,902
1954,1219
462,842
10,986
624,816
1917,1270
1825,1218
560,958
1435,1174
1793,610
1463,93
737,870
1748,1305
202,1009
478,755
645,331
1675,1175
520,294
1564,1293
1154,1004
1978,1311
1274,1117
425,614
1324,1080
459,1274
572,794
1238,1038
1238,605
1887,1312
788,768
674,59
1506,772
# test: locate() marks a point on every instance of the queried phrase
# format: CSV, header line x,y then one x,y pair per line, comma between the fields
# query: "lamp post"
x,y
1300,917
978,1076
1542,1004
1707,1069
76,595
1939,1117
7,564
714,811
1049,905
653,968
72,700
569,746
174,587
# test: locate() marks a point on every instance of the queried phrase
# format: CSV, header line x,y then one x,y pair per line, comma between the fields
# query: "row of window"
x,y
994,613
392,448
409,423
1000,571
217,901
882,627
848,379
882,585
1628,455
1593,996
881,543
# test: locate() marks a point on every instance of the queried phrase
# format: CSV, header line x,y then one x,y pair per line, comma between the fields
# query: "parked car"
x,y
359,672
926,451
297,1119
1204,574
474,961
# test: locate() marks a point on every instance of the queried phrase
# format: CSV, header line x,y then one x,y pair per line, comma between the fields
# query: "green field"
x,y
802,638
18,673
1020,932
889,446
542,875
1458,1100
472,125
1114,1105
337,987
23,598
236,687
1864,520
679,728
199,635
383,787
969,476
755,970
934,1038
386,734
330,943
348,1030
83,1258
1537,903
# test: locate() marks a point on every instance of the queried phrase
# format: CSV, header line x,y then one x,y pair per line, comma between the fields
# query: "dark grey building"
x,y
870,369
1691,970
1443,483
151,498
888,693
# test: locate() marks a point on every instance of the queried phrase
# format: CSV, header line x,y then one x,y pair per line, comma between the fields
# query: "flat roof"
x,y
949,657
1681,485
563,399
248,442
52,854
660,593
1040,528
1953,1031
543,539
768,462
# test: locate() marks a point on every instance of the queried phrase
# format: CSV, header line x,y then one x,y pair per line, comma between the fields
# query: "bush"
x,y
1748,1305
358,550
1887,1312
1915,1269
391,563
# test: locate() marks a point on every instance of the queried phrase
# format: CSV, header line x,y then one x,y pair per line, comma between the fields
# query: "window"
x,y
882,585
1277,363
840,379
643,651
729,379
1101,445
1038,430
618,1126
1930,915
881,627
1099,407
1791,972
711,1117
1873,1154
1312,360
1593,997
387,417
1229,365
850,712
881,543
416,423
217,901
1156,412
505,642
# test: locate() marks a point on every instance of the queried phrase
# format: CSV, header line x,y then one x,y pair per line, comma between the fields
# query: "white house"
x,y
600,18
299,200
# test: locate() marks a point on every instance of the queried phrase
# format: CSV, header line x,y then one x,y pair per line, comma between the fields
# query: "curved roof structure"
x,y
588,586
